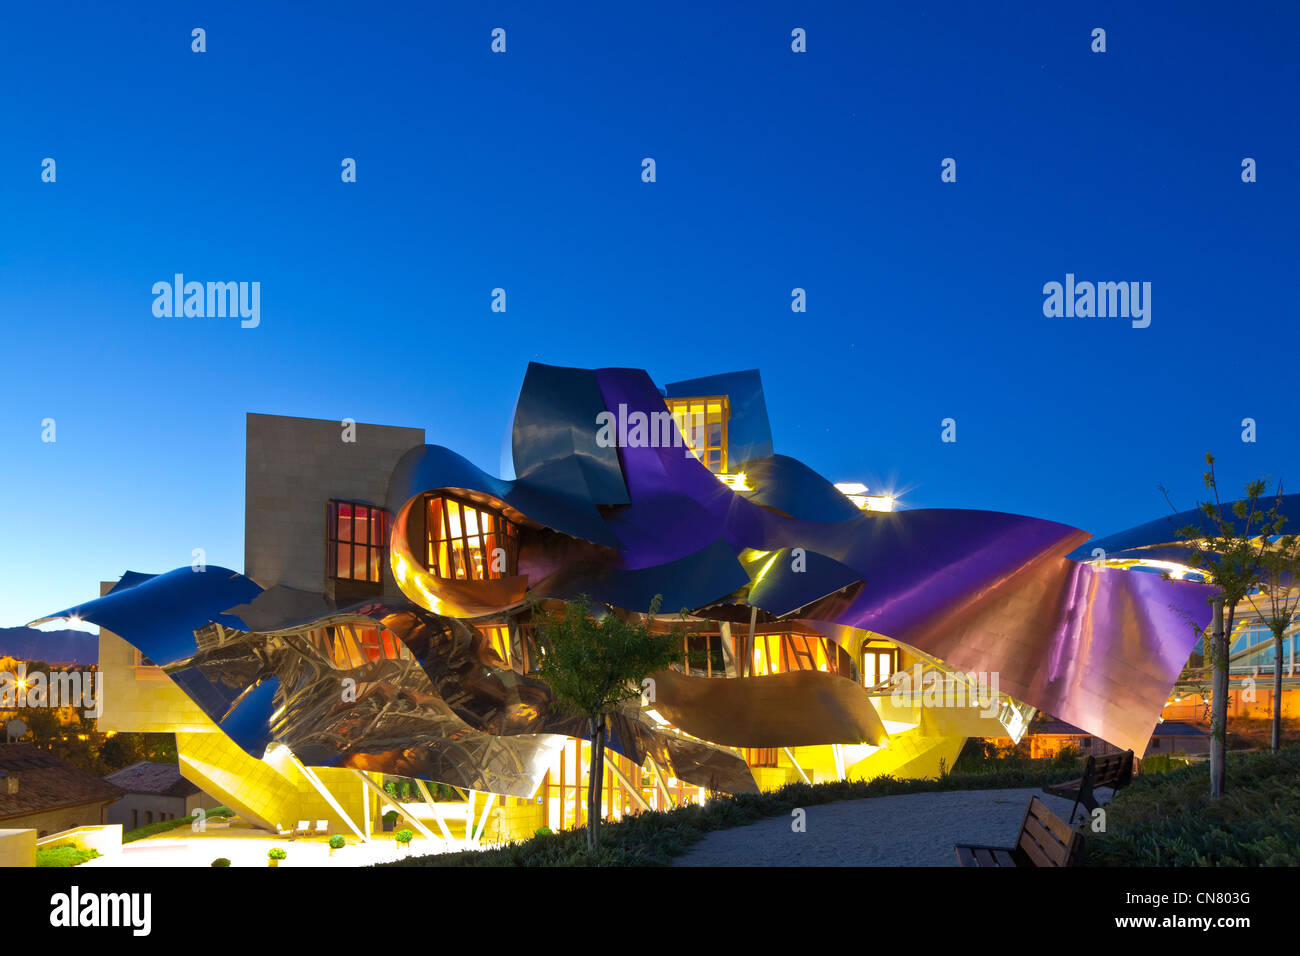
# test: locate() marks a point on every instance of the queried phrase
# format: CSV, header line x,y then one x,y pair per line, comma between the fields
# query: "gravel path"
x,y
913,829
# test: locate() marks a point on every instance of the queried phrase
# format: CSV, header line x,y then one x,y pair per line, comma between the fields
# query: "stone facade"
x,y
293,467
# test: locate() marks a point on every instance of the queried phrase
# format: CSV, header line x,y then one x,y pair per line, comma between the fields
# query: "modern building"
x,y
383,628
154,792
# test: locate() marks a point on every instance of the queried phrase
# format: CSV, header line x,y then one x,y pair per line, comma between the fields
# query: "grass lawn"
x,y
162,826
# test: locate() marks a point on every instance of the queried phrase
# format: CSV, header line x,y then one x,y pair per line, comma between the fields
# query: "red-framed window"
x,y
356,541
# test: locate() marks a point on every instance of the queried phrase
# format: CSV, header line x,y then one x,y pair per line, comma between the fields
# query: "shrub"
x,y
64,856
1162,763
162,826
543,831
220,861
1067,756
337,842
404,836
653,838
1168,819
275,853
985,756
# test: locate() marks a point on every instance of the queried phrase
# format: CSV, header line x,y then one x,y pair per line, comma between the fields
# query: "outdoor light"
x,y
856,492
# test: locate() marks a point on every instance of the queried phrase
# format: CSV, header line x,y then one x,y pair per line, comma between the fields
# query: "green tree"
x,y
43,727
593,665
1277,599
120,750
1227,546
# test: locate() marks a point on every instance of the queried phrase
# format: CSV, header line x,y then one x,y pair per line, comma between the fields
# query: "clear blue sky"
x,y
775,170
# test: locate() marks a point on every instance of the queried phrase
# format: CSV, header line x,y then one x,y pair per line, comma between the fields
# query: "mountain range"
x,y
29,644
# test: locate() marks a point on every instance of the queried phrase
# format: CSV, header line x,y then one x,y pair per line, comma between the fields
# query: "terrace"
x,y
245,845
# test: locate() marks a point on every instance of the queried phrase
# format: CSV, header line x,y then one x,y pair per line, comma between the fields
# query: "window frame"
x,y
877,652
376,551
441,554
680,409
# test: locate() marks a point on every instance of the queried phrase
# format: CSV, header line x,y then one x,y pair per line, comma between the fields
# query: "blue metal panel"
x,y
749,434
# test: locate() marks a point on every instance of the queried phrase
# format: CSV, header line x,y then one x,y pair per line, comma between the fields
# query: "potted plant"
x,y
275,855
390,820
404,839
336,843
221,861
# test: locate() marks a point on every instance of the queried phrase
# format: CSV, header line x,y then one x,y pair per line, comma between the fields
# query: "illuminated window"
x,y
778,653
353,645
357,537
468,542
512,643
878,664
498,636
703,424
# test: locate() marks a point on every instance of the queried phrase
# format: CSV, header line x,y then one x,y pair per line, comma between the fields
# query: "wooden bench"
x,y
1045,840
1113,770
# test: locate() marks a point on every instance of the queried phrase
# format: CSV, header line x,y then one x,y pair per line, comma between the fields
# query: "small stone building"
x,y
154,792
39,791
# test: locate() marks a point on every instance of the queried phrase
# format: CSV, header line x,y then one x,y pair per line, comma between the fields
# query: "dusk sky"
x,y
522,170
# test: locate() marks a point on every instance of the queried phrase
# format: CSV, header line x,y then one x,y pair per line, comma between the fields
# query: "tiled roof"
x,y
1168,728
46,783
161,779
1056,727
1180,728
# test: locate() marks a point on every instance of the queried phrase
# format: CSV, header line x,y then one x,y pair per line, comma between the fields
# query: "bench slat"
x,y
1044,840
1041,838
1066,789
1058,828
1032,849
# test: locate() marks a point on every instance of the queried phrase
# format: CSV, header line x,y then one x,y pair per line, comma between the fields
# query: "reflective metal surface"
x,y
980,591
444,709
793,709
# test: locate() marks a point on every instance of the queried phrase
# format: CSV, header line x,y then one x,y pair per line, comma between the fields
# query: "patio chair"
x,y
303,828
322,828
282,831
